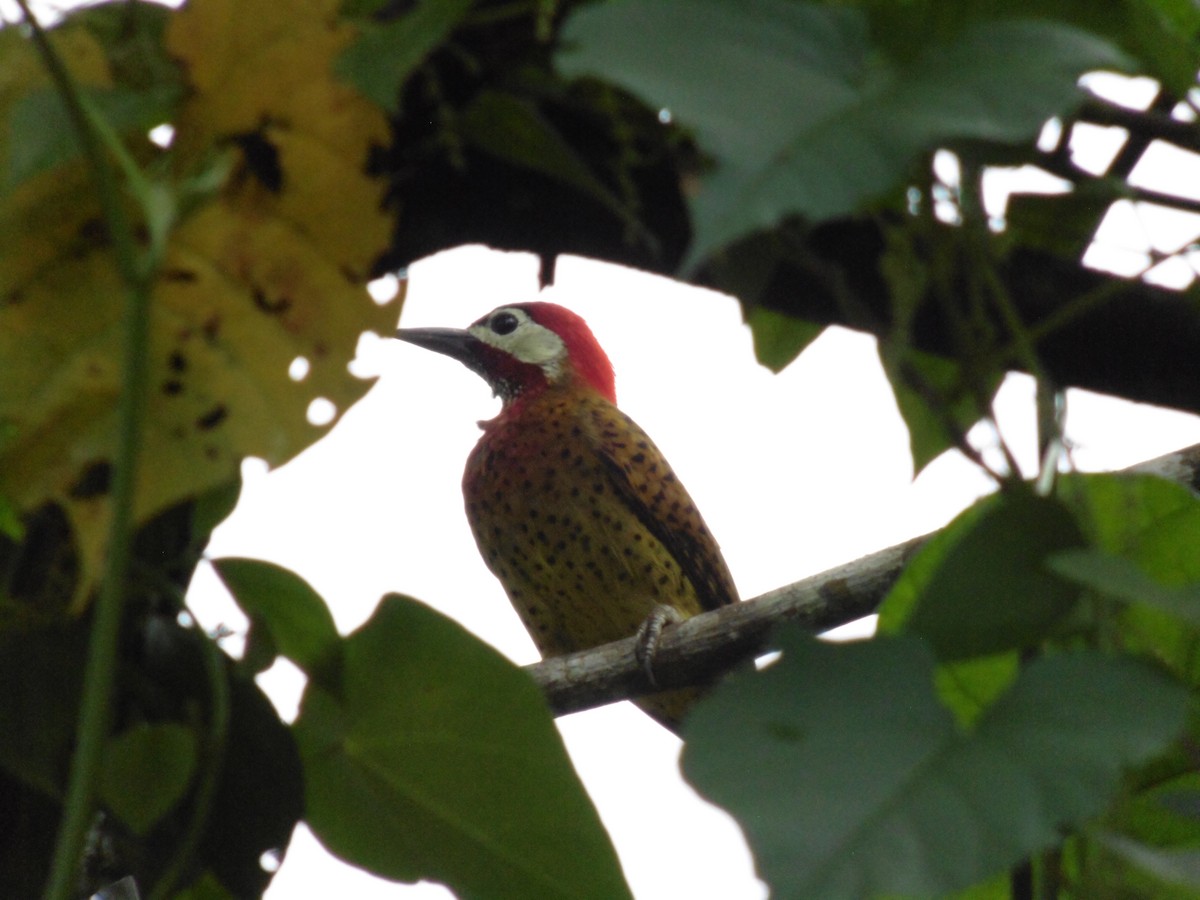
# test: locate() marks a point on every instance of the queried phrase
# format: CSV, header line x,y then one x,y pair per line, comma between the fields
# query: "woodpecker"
x,y
573,508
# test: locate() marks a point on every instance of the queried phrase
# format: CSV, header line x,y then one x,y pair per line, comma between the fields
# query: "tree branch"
x,y
704,647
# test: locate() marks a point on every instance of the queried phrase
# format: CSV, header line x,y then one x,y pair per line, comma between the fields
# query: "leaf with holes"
x,y
264,266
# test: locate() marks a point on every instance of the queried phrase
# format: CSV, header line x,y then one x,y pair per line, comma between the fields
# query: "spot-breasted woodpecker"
x,y
574,509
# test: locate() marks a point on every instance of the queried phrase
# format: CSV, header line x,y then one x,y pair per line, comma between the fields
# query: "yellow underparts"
x,y
554,498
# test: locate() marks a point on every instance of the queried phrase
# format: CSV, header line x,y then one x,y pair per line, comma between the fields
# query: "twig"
x,y
706,646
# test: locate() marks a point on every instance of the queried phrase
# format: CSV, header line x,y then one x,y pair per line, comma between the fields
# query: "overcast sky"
x,y
794,473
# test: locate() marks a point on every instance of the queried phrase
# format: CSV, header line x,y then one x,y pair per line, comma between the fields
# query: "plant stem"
x,y
99,674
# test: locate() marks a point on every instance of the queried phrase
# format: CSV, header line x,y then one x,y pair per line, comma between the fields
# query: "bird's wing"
x,y
645,481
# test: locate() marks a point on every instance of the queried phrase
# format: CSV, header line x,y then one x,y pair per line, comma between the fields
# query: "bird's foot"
x,y
649,633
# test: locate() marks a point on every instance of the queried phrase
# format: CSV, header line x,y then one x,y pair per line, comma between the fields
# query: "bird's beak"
x,y
452,342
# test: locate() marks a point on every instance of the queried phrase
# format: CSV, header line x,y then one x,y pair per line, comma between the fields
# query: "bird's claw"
x,y
649,634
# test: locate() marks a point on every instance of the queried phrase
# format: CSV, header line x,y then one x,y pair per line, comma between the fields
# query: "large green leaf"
x,y
438,760
851,780
804,115
981,586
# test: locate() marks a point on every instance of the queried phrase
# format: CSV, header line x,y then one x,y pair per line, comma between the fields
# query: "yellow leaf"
x,y
260,274
42,218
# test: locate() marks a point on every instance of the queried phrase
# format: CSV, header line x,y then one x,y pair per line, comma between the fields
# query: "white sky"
x,y
795,473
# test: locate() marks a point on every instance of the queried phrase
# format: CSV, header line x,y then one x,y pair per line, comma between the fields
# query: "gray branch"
x,y
704,647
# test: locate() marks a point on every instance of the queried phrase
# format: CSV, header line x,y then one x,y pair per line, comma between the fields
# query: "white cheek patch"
x,y
529,342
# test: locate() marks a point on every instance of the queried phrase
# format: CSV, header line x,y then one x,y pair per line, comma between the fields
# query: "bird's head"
x,y
524,348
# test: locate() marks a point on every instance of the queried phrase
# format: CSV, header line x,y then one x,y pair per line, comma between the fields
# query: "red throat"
x,y
584,354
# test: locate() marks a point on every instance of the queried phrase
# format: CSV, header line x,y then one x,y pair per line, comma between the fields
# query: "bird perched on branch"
x,y
573,507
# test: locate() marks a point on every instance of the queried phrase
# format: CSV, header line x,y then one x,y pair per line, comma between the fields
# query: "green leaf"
x,y
933,395
1145,518
1155,524
512,129
206,887
1172,866
1062,223
1122,580
132,35
1147,816
438,760
981,585
42,136
300,624
1160,33
42,674
383,57
145,771
10,520
803,115
259,794
970,686
213,506
851,780
778,338
939,399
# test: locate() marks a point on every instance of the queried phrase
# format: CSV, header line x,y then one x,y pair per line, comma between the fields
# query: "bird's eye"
x,y
504,323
